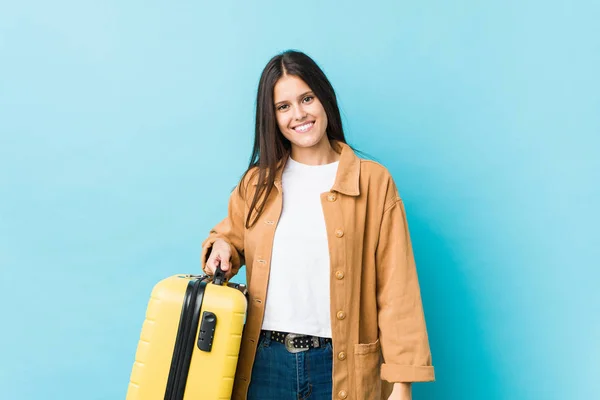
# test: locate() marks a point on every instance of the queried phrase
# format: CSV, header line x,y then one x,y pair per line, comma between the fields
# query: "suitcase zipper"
x,y
184,344
173,372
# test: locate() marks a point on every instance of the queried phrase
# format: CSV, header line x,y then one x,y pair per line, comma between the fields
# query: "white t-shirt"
x,y
298,291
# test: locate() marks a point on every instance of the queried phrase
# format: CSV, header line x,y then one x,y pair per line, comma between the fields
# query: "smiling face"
x,y
300,115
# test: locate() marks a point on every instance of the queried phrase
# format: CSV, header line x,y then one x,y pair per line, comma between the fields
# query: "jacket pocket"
x,y
367,362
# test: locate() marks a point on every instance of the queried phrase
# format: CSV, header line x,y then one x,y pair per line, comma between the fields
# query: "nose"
x,y
299,113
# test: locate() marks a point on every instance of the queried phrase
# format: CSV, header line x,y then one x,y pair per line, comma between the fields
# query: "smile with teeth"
x,y
305,127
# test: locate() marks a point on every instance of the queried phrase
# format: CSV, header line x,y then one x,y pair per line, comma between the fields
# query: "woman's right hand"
x,y
220,254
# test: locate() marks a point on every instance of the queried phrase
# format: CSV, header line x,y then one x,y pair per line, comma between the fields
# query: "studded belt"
x,y
295,343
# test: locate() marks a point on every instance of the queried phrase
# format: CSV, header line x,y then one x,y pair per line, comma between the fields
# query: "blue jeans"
x,y
280,375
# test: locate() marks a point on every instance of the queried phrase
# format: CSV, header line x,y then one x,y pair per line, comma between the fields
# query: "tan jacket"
x,y
377,319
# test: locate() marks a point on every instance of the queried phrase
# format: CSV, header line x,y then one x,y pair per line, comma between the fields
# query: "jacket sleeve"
x,y
402,329
231,229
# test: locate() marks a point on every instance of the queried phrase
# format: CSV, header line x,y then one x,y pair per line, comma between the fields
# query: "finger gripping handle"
x,y
219,277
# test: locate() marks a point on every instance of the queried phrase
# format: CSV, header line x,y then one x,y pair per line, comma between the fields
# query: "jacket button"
x,y
339,233
331,197
342,394
341,315
339,275
341,356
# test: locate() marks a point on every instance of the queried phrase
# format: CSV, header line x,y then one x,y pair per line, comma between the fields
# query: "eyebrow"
x,y
302,95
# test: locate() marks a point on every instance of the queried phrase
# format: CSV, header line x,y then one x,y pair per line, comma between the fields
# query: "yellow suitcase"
x,y
190,340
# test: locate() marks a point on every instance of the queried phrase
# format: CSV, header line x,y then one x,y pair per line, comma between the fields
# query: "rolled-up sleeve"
x,y
231,230
402,328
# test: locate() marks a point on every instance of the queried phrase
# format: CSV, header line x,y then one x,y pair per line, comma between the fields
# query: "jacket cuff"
x,y
407,373
206,249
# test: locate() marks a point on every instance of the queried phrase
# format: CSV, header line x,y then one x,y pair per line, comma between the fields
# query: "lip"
x,y
304,123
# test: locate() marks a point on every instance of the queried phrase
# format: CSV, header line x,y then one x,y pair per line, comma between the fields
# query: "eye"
x,y
308,99
282,107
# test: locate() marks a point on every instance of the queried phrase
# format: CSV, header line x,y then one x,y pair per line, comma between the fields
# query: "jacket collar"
x,y
348,173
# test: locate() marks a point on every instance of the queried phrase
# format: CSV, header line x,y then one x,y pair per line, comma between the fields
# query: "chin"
x,y
307,142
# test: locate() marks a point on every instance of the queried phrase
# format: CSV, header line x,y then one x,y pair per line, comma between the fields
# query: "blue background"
x,y
124,125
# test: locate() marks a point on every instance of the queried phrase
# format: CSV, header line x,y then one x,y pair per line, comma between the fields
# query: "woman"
x,y
334,301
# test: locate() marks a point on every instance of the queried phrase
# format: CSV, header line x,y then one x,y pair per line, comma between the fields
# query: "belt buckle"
x,y
289,343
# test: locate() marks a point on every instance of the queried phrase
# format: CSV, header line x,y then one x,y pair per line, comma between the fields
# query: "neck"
x,y
320,154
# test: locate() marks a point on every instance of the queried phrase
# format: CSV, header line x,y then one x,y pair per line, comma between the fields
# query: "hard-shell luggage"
x,y
190,340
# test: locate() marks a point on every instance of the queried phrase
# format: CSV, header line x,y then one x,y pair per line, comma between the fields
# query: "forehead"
x,y
288,88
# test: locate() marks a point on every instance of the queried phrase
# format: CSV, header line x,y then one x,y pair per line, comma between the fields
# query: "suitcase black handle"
x,y
219,277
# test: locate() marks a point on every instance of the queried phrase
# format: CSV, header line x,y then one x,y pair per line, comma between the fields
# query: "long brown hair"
x,y
270,146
